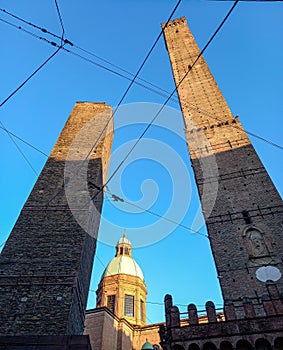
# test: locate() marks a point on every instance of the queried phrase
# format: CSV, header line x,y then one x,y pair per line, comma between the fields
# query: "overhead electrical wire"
x,y
116,198
18,148
45,31
61,21
30,76
13,93
162,91
22,140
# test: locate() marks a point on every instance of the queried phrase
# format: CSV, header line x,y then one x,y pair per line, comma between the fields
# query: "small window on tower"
x,y
246,217
126,251
111,303
121,250
129,305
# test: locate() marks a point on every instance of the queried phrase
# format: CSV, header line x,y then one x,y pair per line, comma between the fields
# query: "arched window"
x,y
178,347
226,345
243,345
262,344
193,346
209,346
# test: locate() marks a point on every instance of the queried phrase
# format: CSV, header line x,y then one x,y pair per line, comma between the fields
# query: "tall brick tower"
x,y
46,264
242,208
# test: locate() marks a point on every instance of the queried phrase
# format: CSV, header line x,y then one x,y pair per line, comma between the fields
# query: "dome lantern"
x,y
124,246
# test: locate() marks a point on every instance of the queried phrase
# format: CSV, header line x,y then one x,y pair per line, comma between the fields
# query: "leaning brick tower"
x,y
241,206
46,264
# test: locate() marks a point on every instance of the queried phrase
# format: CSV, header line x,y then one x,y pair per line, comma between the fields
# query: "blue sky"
x,y
246,60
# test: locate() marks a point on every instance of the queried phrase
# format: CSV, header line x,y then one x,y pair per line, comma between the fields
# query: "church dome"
x,y
123,263
147,346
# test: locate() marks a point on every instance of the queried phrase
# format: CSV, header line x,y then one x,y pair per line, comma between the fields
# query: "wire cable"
x,y
19,149
22,140
122,200
30,76
61,21
158,90
30,24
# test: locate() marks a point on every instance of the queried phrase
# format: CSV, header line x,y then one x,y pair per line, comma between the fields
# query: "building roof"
x,y
147,346
123,263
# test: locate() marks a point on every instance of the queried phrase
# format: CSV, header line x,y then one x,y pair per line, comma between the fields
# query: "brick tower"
x,y
242,208
46,264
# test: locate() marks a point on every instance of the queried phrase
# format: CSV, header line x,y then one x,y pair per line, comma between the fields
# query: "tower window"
x,y
111,302
246,217
129,305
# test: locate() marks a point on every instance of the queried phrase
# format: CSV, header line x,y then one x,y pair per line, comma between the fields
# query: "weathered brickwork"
x,y
239,200
260,333
46,263
242,210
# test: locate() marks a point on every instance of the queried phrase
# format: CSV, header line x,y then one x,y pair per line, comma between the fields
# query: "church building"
x,y
119,319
